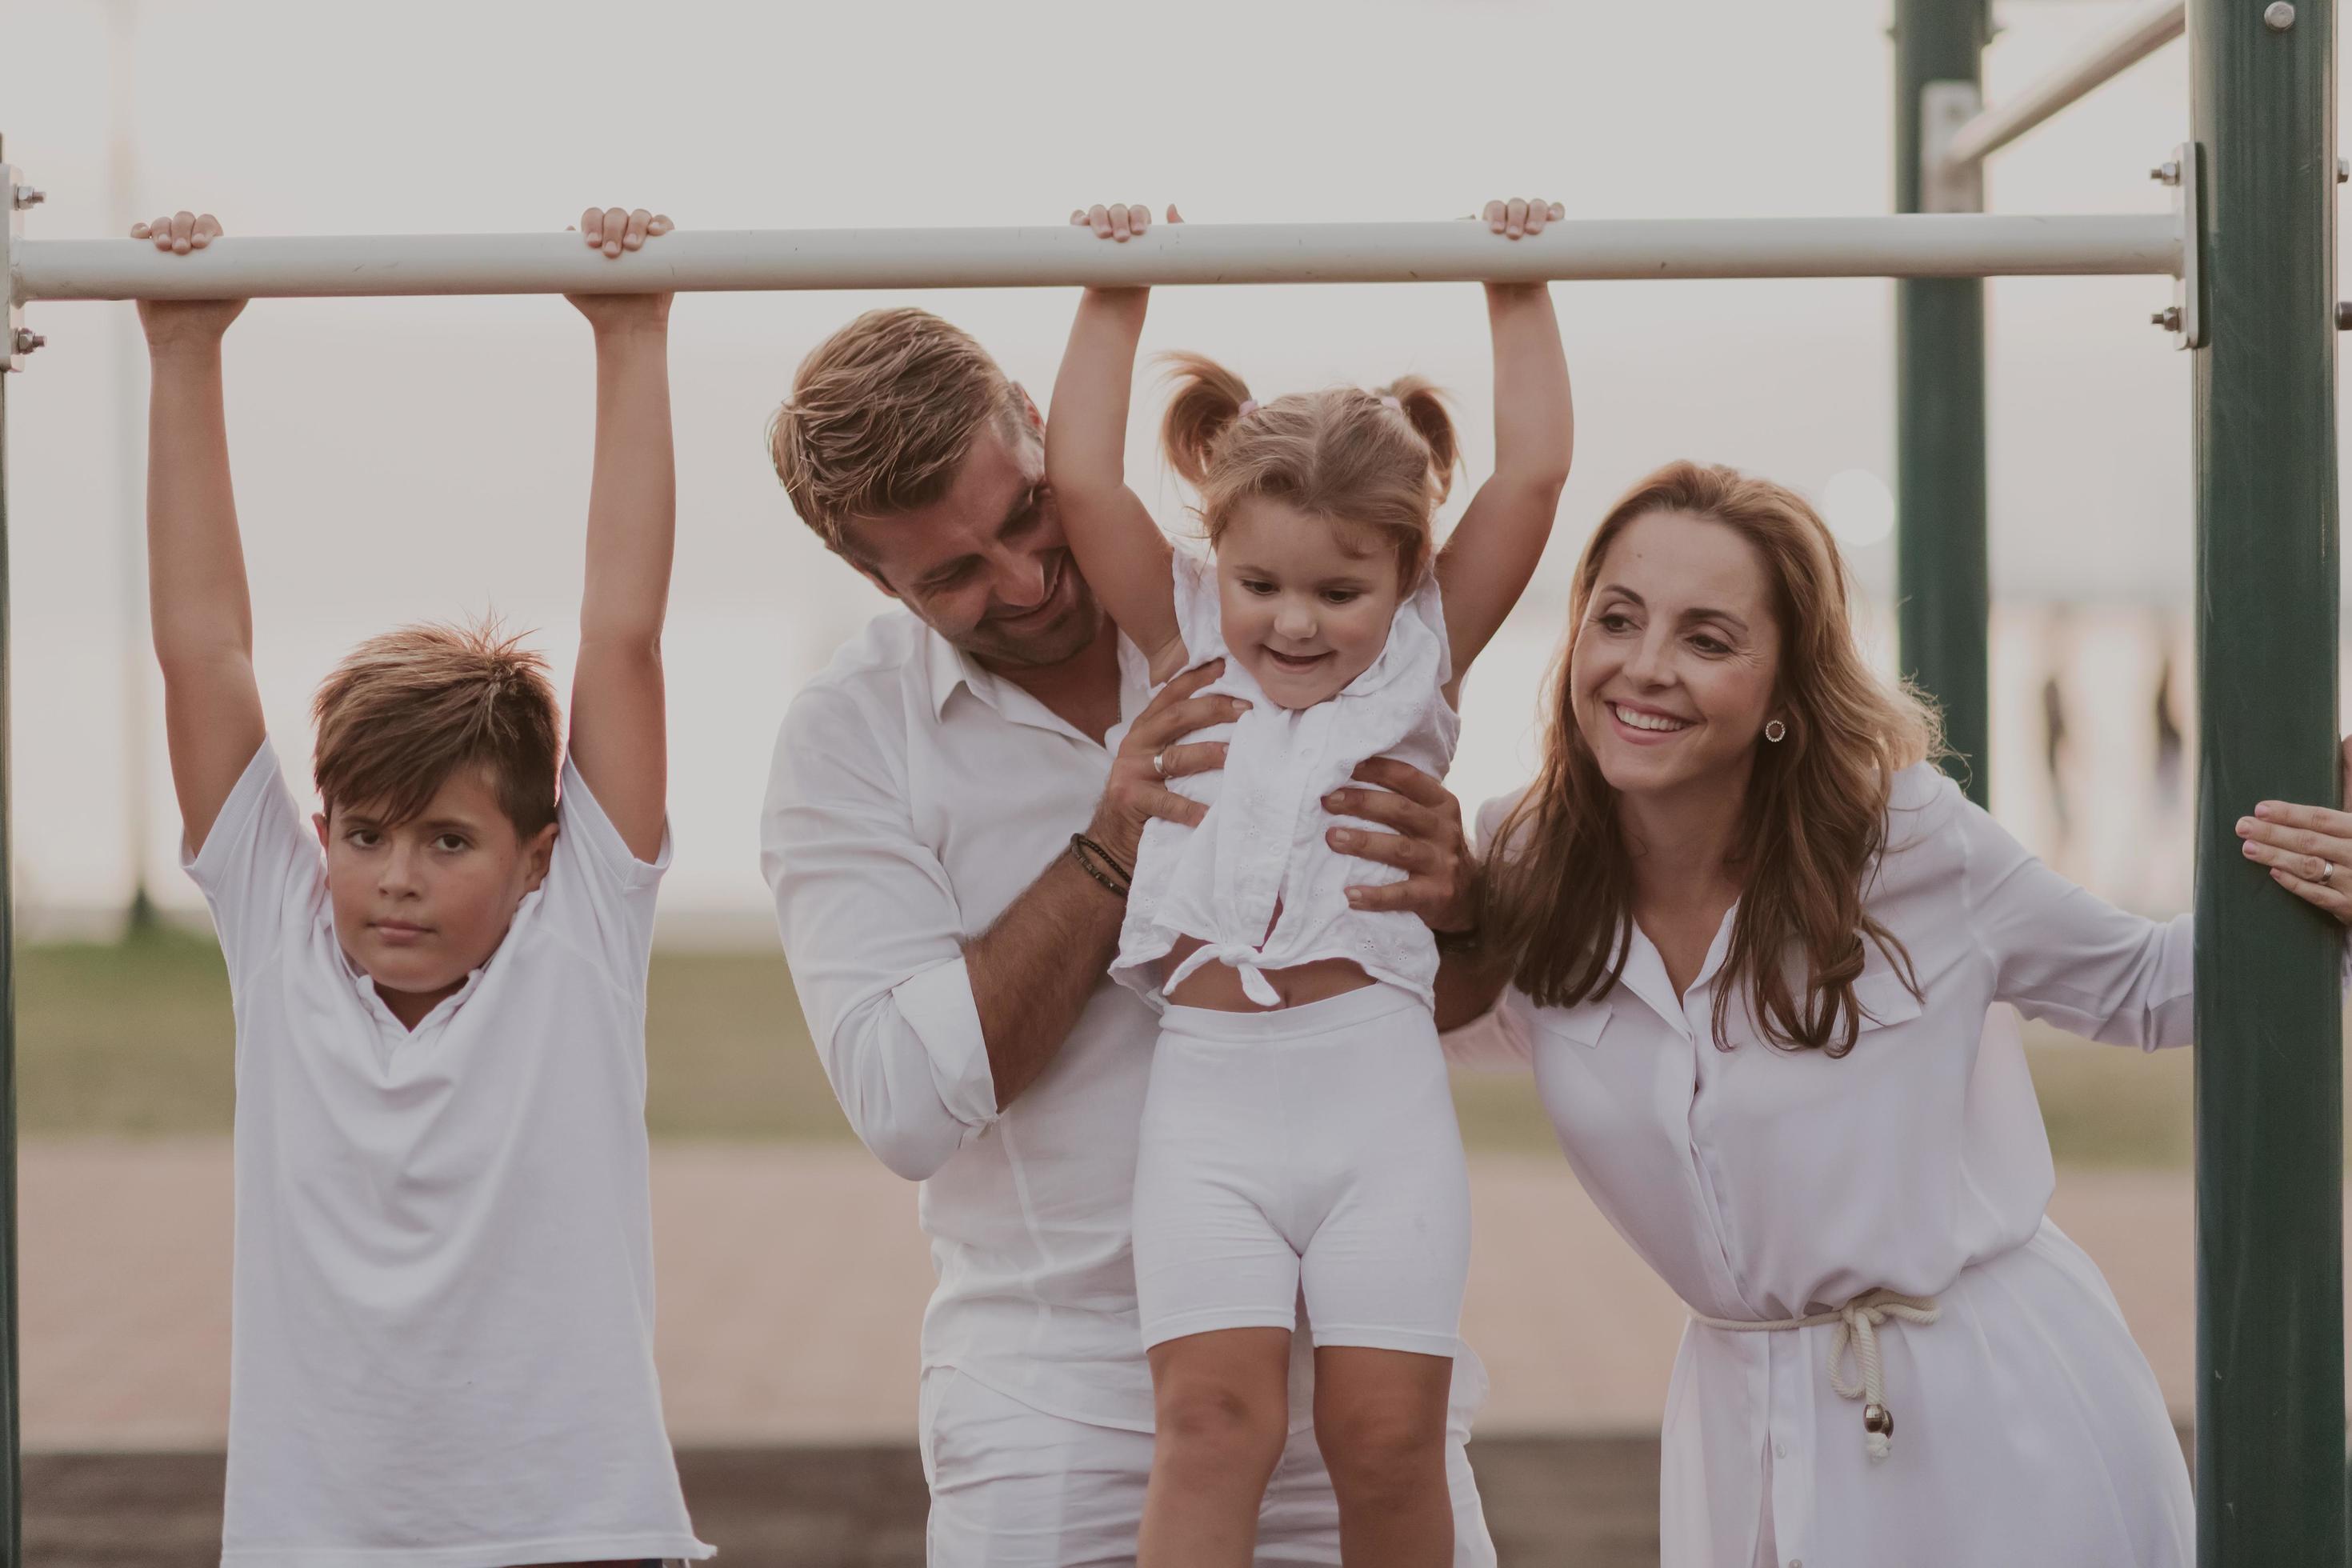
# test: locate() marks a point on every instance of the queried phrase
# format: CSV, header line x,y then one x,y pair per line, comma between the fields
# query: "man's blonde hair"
x,y
406,709
881,415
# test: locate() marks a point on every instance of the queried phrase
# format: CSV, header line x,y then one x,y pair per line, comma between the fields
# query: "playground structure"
x,y
2248,250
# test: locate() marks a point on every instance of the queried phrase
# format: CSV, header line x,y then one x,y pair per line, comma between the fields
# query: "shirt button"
x,y
1780,1451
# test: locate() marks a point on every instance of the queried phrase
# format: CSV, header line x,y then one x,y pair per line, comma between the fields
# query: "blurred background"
x,y
415,458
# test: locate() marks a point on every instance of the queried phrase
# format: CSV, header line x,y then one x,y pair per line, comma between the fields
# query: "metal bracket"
x,y
1945,186
2184,174
12,357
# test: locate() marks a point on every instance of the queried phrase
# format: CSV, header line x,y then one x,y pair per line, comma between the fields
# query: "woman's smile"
x,y
1647,726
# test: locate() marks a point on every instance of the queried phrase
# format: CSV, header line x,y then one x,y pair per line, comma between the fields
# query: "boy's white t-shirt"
x,y
442,1350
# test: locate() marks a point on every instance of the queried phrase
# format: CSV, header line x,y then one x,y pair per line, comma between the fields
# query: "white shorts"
x,y
1014,1487
1308,1150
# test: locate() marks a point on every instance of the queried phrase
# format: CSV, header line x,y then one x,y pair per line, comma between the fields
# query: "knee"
x,y
1208,1422
1381,1449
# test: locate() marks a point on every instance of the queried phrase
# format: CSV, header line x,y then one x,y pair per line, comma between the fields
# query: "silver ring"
x,y
2326,873
1159,764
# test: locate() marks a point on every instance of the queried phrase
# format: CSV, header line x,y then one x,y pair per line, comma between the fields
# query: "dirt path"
x,y
793,1281
1590,1500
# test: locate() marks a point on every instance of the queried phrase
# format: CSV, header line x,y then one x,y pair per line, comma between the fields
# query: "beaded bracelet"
x,y
1113,876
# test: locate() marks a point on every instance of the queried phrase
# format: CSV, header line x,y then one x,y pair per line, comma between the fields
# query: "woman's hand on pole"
x,y
1424,840
1156,750
2308,848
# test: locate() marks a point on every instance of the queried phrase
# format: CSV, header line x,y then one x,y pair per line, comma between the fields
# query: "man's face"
x,y
986,565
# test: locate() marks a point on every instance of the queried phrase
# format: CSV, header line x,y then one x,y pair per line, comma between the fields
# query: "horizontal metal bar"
x,y
1915,245
2135,36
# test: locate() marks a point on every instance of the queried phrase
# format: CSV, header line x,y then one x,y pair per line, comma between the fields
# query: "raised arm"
x,y
1120,551
619,733
1494,550
201,612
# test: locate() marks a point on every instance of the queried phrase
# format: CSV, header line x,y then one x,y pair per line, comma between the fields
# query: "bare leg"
x,y
1380,1418
1222,1402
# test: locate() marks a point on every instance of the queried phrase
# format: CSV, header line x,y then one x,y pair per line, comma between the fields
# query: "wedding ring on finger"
x,y
2326,873
1159,764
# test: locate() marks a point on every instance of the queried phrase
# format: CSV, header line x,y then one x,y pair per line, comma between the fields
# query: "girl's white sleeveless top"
x,y
1262,847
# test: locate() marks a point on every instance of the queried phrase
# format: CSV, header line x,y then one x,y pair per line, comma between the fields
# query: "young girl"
x,y
1298,1136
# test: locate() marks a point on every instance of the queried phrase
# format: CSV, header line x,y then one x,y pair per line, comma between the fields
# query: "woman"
x,y
1751,937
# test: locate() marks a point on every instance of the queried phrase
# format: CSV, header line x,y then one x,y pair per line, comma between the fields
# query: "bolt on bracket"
x,y
2183,175
18,340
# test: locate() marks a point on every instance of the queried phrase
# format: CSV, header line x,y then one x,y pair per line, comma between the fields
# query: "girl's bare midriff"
x,y
1218,986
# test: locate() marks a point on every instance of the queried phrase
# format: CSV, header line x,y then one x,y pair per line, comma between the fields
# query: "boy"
x,y
442,1344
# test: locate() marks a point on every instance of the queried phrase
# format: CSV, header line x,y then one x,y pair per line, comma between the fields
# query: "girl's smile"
x,y
1306,600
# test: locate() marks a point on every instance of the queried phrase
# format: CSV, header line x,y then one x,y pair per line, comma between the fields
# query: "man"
x,y
949,940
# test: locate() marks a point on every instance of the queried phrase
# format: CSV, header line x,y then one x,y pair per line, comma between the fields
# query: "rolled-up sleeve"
x,y
874,938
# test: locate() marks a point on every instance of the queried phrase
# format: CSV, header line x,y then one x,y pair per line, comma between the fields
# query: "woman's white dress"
x,y
1765,1184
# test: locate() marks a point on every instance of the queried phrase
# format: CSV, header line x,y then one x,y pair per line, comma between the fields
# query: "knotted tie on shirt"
x,y
1241,958
1856,1325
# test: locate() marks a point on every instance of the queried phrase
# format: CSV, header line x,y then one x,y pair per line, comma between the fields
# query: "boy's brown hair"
x,y
404,710
881,415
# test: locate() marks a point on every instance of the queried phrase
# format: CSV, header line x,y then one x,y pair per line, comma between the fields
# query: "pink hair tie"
x,y
1249,407
1393,402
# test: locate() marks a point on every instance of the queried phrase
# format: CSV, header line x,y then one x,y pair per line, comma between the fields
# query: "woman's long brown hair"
x,y
1559,878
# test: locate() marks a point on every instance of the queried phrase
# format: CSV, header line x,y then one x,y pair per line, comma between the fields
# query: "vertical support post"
x,y
2270,1128
1942,580
12,1491
129,349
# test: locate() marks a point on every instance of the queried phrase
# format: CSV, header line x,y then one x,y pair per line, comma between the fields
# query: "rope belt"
x,y
1857,1326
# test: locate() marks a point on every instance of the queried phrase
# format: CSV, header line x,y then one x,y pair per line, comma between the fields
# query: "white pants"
x,y
1306,1149
1014,1487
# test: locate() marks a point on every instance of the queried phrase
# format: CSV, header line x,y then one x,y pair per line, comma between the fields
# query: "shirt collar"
x,y
375,1003
1645,973
947,667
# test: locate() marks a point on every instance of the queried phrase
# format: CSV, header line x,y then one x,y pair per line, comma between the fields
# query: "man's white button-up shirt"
x,y
914,795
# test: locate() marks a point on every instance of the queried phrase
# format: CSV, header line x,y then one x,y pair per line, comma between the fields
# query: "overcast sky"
x,y
402,459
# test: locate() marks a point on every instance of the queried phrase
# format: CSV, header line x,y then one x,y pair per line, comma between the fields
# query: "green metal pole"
x,y
2270,1127
1942,582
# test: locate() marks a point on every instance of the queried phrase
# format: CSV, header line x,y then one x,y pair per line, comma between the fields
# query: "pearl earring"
x,y
1776,731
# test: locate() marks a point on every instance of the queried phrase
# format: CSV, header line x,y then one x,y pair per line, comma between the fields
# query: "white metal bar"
x,y
1913,246
2138,34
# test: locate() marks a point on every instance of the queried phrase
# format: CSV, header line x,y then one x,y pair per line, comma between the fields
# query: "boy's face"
x,y
421,904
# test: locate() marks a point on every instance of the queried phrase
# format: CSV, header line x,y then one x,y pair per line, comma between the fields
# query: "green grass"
x,y
134,1038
